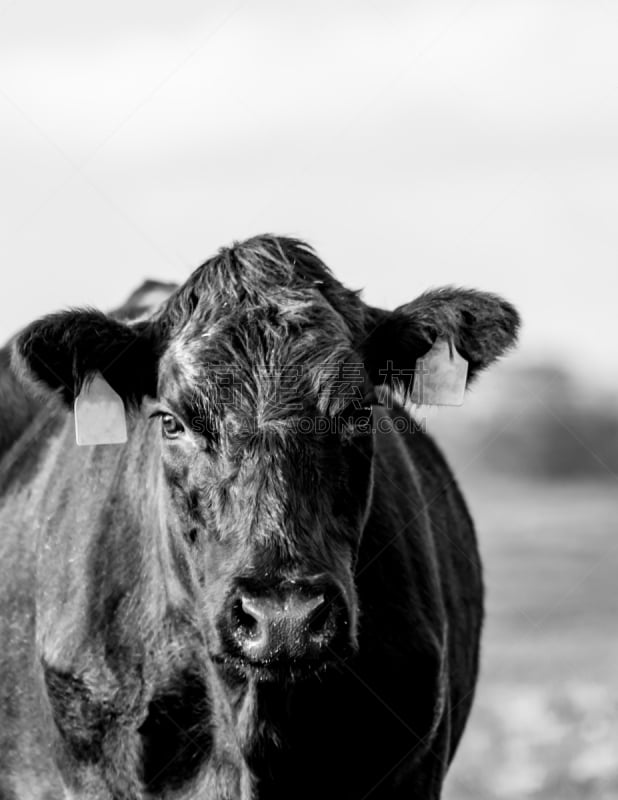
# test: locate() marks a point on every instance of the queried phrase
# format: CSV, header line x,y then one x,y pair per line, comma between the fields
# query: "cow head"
x,y
259,375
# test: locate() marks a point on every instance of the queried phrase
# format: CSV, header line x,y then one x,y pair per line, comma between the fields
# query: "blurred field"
x,y
545,723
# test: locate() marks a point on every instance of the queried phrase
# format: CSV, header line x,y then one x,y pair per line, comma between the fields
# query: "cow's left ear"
x,y
58,353
481,326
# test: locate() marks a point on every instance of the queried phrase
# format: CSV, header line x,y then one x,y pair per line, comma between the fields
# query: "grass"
x,y
545,722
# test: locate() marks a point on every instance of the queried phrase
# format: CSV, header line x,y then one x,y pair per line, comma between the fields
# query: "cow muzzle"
x,y
298,622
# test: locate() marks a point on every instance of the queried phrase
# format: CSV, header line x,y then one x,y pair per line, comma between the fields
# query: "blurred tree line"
x,y
537,421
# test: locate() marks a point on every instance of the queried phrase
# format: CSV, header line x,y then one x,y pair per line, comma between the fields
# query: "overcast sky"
x,y
414,144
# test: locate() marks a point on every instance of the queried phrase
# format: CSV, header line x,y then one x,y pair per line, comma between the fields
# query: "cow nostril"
x,y
320,619
244,622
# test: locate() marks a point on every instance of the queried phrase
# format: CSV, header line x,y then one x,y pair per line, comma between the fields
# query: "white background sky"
x,y
412,143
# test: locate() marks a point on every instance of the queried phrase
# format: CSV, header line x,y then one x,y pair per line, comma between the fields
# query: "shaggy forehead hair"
x,y
260,330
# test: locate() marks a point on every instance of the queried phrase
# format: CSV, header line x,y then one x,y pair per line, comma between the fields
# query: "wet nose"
x,y
296,624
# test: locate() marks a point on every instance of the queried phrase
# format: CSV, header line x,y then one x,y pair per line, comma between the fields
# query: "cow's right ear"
x,y
60,352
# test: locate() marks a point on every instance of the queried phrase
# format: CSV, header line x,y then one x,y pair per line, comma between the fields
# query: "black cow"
x,y
273,589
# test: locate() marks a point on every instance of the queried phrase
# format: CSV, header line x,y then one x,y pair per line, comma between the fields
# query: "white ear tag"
x,y
99,414
440,376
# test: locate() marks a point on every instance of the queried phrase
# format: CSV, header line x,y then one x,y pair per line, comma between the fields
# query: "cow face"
x,y
259,375
270,495
265,412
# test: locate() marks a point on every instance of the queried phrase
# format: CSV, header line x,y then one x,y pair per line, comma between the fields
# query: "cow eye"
x,y
170,426
357,420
